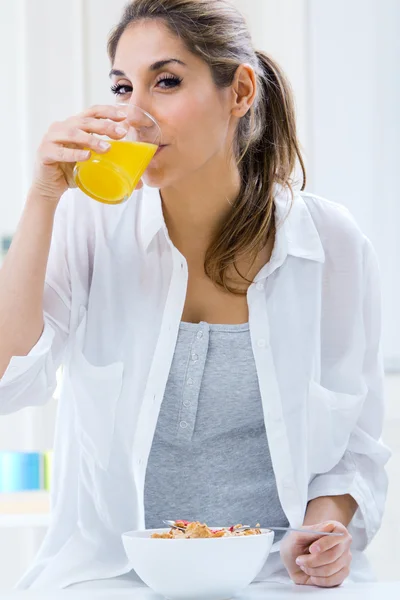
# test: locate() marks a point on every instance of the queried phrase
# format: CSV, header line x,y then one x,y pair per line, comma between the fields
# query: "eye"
x,y
120,90
169,81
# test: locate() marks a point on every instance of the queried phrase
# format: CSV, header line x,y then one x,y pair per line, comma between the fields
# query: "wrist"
x,y
38,197
326,508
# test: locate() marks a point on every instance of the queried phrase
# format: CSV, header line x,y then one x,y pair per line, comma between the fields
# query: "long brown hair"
x,y
266,144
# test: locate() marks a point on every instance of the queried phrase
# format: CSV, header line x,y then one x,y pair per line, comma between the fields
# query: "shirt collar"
x,y
295,223
293,220
151,215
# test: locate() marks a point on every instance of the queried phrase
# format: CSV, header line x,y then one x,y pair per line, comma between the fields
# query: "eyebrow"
x,y
160,64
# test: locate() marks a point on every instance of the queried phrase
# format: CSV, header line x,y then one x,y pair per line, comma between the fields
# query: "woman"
x,y
219,331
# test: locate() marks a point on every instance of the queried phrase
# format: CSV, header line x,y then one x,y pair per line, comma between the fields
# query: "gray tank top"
x,y
209,459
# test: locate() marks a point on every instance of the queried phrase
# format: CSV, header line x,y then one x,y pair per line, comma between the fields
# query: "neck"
x,y
195,207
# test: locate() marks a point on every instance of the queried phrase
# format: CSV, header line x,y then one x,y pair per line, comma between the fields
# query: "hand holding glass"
x,y
111,178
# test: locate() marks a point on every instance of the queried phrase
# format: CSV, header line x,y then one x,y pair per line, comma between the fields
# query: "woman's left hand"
x,y
323,561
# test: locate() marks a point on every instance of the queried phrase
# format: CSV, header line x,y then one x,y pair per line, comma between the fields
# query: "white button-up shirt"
x,y
114,295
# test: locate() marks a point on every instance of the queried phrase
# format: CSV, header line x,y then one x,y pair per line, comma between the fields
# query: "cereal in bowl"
x,y
195,529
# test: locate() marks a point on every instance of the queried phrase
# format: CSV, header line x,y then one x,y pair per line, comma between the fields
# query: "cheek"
x,y
196,127
192,120
179,121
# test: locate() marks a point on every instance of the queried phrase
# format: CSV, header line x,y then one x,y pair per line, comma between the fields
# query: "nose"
x,y
140,100
144,126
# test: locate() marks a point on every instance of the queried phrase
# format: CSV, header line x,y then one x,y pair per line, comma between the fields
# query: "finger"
x,y
314,530
327,542
100,111
78,131
330,569
76,138
304,541
323,543
333,580
52,153
103,127
322,558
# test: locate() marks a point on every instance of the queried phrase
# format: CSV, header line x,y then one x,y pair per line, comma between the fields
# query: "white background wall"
x,y
354,128
342,59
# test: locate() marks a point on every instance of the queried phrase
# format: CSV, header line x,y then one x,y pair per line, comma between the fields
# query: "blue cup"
x,y
20,471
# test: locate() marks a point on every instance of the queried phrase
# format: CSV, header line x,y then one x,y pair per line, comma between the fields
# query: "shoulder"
x,y
331,218
339,232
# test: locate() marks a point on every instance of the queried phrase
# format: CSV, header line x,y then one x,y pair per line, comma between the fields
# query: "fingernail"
x,y
121,130
104,145
299,562
314,549
121,113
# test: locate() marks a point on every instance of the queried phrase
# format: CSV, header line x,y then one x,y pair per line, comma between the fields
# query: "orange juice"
x,y
111,177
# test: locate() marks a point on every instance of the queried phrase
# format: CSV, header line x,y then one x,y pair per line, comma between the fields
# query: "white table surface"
x,y
256,591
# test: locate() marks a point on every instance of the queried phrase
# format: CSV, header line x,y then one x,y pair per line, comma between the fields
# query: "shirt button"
x,y
186,403
194,357
199,335
190,381
260,286
183,424
261,343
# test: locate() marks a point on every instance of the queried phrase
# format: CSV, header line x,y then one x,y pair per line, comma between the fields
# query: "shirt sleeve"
x,y
361,471
31,380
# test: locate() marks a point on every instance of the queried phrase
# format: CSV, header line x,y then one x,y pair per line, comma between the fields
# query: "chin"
x,y
154,180
158,178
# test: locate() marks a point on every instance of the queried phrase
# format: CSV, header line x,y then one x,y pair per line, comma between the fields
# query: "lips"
x,y
160,148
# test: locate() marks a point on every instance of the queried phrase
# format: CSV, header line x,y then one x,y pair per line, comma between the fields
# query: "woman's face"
x,y
154,70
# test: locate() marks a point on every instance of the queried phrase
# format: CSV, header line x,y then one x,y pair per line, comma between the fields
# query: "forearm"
x,y
22,280
326,508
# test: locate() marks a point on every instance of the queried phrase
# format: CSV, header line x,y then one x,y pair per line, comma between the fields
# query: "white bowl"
x,y
200,568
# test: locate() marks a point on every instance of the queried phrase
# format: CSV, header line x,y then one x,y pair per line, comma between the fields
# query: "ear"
x,y
244,88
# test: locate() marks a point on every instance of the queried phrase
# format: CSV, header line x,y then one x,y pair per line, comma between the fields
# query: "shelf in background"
x,y
25,509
